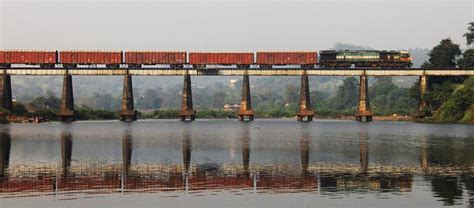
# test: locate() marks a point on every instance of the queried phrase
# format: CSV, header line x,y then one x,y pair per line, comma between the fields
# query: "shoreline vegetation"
x,y
94,114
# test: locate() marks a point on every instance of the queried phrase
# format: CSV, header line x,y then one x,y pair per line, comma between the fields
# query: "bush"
x,y
163,114
85,113
458,105
47,114
19,109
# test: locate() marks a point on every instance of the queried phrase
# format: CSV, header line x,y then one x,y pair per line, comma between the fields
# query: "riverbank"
x,y
39,119
94,114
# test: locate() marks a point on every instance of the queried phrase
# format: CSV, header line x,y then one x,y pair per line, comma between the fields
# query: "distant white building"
x,y
232,82
231,107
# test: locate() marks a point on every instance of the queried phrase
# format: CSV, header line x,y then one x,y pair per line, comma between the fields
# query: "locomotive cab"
x,y
405,59
405,56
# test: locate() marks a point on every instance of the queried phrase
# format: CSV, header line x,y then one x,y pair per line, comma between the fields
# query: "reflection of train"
x,y
200,60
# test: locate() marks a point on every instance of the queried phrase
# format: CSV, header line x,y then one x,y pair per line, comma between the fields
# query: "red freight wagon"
x,y
200,60
70,59
305,59
135,59
46,59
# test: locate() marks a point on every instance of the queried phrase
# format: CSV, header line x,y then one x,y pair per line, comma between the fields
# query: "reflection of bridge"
x,y
125,177
187,111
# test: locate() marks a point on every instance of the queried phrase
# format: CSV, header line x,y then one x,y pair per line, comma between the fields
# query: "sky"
x,y
230,25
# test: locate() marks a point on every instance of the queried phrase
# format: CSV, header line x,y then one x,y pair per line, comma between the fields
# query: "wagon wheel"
x,y
176,66
70,66
265,66
307,66
5,66
243,66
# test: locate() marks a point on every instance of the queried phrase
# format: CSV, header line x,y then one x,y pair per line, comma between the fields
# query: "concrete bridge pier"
x,y
246,103
422,110
363,109
66,111
127,112
187,110
6,91
305,105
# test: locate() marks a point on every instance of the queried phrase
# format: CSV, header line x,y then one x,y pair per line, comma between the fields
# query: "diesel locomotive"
x,y
365,58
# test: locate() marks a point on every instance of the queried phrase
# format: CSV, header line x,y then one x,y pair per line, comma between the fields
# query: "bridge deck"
x,y
239,72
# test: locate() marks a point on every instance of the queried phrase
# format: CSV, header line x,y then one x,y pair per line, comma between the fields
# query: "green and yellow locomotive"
x,y
365,58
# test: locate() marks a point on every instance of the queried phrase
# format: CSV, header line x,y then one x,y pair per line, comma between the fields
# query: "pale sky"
x,y
230,25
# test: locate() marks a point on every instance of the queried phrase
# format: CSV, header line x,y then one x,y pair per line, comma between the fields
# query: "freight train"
x,y
200,60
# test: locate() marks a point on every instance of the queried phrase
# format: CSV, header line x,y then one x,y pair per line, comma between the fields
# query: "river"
x,y
226,163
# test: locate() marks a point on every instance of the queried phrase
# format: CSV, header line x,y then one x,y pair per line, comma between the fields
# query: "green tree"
x,y
50,102
467,60
149,100
444,54
470,34
104,101
291,94
266,100
387,98
458,103
347,94
171,97
19,109
319,99
439,93
218,100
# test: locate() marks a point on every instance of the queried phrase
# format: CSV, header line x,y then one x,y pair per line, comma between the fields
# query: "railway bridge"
x,y
128,112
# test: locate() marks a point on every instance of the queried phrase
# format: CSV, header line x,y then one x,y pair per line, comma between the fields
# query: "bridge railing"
x,y
237,72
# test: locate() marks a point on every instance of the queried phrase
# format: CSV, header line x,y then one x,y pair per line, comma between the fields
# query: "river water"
x,y
226,163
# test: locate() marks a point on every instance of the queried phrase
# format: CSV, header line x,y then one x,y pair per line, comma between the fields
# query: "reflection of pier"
x,y
66,152
5,146
364,153
126,151
246,151
304,149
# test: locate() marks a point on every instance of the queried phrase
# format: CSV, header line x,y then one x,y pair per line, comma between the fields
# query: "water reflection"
x,y
468,181
424,154
444,163
186,151
367,178
246,151
126,151
5,146
66,152
364,153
